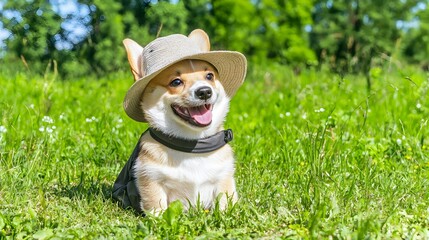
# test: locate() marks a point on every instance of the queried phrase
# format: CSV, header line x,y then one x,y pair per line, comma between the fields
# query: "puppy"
x,y
179,92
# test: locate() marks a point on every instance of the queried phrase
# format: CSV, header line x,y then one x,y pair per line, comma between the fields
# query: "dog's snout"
x,y
204,93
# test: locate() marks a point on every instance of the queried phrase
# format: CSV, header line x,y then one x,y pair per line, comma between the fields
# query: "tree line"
x,y
348,36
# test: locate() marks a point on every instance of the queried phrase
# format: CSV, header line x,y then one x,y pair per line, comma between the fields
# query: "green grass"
x,y
317,156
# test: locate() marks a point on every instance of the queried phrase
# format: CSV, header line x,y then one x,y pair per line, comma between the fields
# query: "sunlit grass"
x,y
317,156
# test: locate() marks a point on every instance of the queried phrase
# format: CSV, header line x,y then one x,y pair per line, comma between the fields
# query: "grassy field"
x,y
318,156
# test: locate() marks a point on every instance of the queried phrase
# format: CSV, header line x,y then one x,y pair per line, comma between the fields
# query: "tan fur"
x,y
185,72
134,51
201,38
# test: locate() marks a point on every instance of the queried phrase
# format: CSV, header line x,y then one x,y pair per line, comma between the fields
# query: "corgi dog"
x,y
186,101
185,154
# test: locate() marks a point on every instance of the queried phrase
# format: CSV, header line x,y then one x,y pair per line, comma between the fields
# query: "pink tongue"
x,y
201,114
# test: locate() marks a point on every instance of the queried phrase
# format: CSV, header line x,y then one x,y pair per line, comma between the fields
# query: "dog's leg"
x,y
153,197
227,189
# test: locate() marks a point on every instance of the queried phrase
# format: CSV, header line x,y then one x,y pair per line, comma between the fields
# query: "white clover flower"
x,y
49,130
418,106
42,129
3,129
62,116
286,114
119,123
47,119
91,119
398,141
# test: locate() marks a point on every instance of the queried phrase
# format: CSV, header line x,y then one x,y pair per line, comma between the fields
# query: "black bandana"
x,y
202,145
125,190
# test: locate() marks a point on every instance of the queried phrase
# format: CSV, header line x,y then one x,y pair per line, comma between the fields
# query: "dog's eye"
x,y
210,76
176,82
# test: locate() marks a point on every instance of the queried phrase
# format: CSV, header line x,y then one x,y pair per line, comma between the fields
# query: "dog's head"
x,y
181,87
186,100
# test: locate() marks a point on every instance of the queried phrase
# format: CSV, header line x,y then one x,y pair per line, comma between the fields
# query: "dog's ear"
x,y
201,38
134,52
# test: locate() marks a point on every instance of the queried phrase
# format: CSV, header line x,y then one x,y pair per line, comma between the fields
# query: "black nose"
x,y
204,93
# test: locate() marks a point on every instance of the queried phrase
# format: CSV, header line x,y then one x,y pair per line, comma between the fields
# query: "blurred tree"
x,y
112,21
417,38
165,18
350,35
34,28
199,15
282,32
233,24
263,29
134,19
102,48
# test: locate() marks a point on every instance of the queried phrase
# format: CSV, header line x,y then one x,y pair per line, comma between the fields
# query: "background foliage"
x,y
346,36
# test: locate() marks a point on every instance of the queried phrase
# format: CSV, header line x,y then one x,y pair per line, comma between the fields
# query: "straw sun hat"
x,y
162,52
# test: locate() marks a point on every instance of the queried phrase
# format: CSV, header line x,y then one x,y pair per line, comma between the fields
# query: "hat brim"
x,y
231,66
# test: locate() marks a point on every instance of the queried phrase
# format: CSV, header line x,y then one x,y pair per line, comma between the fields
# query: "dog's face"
x,y
186,100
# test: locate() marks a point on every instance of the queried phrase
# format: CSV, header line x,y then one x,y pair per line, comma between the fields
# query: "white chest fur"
x,y
188,177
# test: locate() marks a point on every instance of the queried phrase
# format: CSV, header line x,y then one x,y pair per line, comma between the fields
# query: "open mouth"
x,y
200,116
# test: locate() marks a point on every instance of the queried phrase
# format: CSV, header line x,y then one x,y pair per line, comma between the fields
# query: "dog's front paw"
x,y
226,199
156,212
